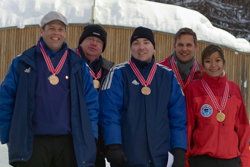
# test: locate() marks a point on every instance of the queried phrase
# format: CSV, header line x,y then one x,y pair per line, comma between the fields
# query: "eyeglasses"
x,y
91,39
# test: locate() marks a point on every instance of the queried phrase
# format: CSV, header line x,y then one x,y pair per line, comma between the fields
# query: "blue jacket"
x,y
147,126
17,102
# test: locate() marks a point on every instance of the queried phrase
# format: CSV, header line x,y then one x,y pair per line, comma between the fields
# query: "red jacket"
x,y
197,75
224,140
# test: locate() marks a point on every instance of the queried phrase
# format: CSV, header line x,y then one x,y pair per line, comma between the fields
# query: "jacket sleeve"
x,y
190,120
111,103
242,129
8,91
177,116
91,96
165,62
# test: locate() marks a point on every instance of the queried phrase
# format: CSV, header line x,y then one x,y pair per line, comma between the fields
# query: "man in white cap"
x,y
48,104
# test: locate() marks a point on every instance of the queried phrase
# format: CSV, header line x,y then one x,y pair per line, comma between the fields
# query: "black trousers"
x,y
207,161
100,155
51,151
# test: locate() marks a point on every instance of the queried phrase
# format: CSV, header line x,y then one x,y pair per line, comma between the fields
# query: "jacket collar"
x,y
28,57
143,65
107,64
215,81
75,61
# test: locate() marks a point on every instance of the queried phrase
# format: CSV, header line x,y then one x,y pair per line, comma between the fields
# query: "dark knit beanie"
x,y
96,31
142,32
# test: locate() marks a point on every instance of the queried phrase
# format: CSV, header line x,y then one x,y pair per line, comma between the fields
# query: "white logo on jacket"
x,y
27,70
206,110
135,82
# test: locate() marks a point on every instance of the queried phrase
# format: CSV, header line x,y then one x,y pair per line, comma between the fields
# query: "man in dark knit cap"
x,y
91,44
143,110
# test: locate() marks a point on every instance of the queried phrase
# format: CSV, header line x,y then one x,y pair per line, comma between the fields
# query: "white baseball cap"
x,y
51,16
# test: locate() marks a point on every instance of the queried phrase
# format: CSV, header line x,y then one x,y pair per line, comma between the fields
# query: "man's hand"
x,y
115,155
179,157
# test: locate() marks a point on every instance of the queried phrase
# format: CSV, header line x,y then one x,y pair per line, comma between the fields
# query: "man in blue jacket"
x,y
143,110
91,44
48,104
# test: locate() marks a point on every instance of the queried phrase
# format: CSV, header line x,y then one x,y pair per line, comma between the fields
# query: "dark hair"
x,y
209,50
185,31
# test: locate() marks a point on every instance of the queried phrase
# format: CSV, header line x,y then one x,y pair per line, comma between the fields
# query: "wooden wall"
x,y
14,41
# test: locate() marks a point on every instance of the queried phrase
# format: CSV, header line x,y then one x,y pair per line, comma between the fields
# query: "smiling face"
x,y
142,49
214,65
53,35
185,48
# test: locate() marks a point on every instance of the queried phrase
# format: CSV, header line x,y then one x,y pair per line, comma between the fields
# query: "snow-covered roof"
x,y
123,13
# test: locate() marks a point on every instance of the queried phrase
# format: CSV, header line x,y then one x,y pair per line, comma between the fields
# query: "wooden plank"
x,y
15,41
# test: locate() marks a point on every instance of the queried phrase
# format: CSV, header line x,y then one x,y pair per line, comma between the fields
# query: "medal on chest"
x,y
178,76
96,83
220,116
145,90
96,77
53,79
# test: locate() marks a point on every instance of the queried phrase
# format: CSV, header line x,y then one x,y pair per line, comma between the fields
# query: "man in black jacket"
x,y
91,44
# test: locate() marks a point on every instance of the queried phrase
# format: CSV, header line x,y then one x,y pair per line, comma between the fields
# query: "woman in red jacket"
x,y
218,127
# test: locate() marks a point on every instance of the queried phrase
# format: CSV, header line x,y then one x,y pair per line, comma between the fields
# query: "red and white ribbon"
x,y
99,74
140,77
223,104
77,52
178,76
49,63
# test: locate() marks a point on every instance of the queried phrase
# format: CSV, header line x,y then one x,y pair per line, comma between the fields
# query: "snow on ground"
x,y
4,160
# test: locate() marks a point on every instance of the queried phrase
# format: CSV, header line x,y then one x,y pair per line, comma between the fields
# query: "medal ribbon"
x,y
48,61
223,104
99,74
178,76
77,52
140,77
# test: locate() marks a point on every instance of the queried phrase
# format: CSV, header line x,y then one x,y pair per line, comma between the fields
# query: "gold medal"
x,y
96,83
146,90
53,80
220,117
